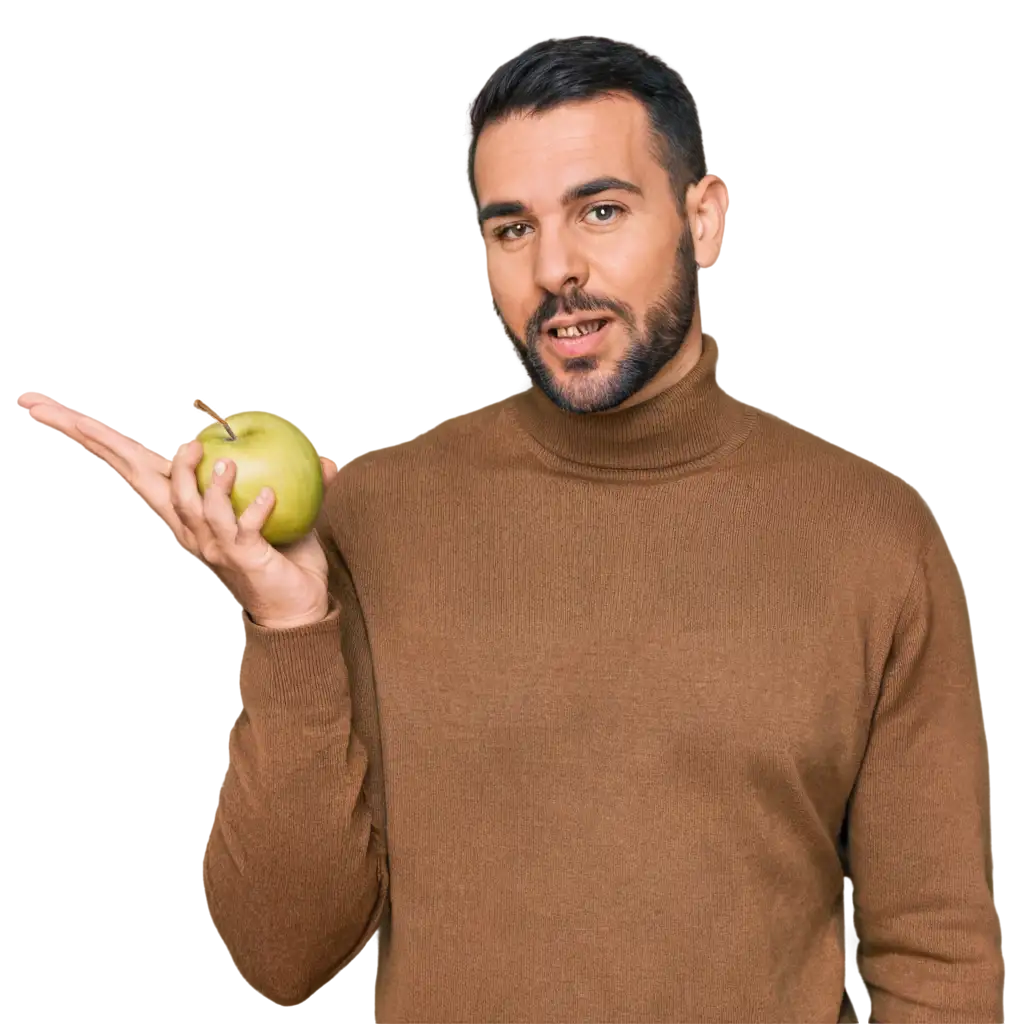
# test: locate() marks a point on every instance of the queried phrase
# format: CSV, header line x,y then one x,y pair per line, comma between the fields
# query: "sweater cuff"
x,y
295,666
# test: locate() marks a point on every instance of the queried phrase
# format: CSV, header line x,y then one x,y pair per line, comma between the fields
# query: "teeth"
x,y
577,330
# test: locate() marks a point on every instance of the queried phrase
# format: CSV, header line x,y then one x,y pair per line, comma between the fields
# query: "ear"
x,y
706,206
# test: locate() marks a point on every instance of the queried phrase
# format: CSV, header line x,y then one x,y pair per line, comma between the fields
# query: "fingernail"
x,y
181,450
219,467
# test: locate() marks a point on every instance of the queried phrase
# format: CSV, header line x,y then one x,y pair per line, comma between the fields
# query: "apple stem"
x,y
202,405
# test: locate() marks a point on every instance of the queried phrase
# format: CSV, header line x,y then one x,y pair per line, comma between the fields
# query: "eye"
x,y
502,233
606,207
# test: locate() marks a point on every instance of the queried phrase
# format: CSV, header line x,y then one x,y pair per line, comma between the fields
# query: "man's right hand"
x,y
279,588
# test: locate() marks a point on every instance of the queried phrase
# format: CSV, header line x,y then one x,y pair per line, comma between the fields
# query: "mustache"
x,y
576,302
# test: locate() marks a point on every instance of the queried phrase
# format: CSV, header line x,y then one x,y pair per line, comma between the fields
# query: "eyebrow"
x,y
508,208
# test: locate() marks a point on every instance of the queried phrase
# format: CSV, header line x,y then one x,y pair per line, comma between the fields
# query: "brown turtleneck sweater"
x,y
604,709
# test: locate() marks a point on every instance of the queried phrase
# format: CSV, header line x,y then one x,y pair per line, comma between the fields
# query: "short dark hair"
x,y
558,71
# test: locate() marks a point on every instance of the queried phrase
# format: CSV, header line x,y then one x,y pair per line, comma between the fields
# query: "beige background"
x,y
271,201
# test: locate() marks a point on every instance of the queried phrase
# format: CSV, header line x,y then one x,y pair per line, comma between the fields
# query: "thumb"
x,y
330,470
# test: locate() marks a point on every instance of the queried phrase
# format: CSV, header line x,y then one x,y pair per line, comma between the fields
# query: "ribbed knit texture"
x,y
604,709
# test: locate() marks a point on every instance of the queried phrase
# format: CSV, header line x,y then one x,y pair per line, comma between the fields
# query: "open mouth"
x,y
578,340
576,331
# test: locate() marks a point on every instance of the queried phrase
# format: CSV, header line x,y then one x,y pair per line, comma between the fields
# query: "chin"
x,y
587,393
579,384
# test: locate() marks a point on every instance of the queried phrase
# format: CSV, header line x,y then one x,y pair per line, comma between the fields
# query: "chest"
x,y
660,643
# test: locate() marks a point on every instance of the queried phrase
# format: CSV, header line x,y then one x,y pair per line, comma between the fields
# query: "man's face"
x,y
617,255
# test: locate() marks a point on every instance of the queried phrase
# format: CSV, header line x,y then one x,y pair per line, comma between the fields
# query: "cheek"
x,y
511,290
636,273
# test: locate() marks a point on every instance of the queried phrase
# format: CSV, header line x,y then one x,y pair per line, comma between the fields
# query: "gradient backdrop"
x,y
265,205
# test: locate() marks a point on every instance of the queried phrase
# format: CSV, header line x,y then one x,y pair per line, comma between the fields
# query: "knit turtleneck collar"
x,y
691,421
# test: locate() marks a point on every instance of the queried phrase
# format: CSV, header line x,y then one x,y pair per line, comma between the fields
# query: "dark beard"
x,y
665,327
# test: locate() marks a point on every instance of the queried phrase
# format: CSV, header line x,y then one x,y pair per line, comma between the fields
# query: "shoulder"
x,y
842,489
383,479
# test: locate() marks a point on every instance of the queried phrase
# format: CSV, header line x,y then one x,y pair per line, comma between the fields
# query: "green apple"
x,y
268,451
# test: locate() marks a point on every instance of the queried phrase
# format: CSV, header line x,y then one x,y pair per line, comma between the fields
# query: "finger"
x,y
30,398
145,471
124,454
217,509
251,521
67,422
126,447
53,414
330,470
185,497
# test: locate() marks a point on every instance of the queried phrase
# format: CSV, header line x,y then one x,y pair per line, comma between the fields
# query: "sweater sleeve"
x,y
295,870
917,831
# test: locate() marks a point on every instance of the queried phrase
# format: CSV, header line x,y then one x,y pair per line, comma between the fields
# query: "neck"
x,y
687,422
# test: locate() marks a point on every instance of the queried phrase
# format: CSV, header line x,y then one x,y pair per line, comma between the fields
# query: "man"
x,y
590,699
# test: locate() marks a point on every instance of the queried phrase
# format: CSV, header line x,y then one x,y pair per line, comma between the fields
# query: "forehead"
x,y
540,154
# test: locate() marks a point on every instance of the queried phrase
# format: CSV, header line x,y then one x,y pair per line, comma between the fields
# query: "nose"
x,y
559,264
